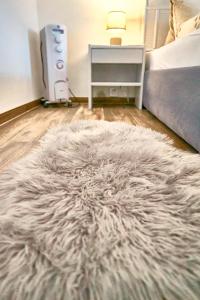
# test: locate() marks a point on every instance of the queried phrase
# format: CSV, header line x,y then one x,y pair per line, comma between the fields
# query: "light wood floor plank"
x,y
21,135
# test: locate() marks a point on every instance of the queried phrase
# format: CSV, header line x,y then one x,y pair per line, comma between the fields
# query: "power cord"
x,y
73,104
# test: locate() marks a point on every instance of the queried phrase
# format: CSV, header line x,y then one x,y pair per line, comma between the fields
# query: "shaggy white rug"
x,y
101,211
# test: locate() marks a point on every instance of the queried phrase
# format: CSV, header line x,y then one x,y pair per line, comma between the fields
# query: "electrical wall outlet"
x,y
113,92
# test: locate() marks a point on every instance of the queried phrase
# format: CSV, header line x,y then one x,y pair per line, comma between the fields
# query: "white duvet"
x,y
184,52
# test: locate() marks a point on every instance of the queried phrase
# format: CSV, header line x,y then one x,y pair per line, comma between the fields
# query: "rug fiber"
x,y
101,211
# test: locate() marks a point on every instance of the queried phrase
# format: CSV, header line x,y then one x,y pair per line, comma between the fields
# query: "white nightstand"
x,y
111,66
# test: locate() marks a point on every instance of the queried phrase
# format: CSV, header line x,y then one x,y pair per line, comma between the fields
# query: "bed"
x,y
172,77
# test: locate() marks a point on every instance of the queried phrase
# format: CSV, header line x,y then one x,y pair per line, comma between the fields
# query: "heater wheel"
x,y
45,104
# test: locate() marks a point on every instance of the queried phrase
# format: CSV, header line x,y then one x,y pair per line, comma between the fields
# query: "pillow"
x,y
181,11
189,26
171,35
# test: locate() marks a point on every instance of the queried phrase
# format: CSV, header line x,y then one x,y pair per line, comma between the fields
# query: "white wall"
x,y
19,53
86,21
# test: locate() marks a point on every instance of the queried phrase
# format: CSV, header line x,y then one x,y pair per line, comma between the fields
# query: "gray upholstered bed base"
x,y
173,96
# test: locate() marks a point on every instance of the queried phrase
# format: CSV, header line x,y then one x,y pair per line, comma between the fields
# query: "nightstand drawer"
x,y
107,55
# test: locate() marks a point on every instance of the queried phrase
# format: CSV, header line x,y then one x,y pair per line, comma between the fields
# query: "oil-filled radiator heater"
x,y
54,64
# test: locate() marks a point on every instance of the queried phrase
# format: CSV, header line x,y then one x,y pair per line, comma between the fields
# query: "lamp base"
x,y
115,41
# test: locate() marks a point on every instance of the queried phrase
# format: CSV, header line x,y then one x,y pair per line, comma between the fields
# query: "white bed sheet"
x,y
184,52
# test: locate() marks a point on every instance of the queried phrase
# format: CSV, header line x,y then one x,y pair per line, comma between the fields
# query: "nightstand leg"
x,y
138,98
90,98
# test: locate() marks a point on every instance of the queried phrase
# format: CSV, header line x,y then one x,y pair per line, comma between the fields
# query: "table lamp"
x,y
116,24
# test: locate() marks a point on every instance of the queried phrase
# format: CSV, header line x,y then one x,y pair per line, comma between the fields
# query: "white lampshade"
x,y
116,20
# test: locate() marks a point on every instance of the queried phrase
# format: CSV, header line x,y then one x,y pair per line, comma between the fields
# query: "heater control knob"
x,y
59,49
60,64
58,39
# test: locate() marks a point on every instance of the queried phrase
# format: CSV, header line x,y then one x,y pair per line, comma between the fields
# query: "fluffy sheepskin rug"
x,y
101,211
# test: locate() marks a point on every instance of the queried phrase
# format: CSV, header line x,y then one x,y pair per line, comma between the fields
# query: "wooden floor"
x,y
21,135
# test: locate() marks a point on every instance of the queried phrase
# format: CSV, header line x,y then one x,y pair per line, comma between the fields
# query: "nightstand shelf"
x,y
112,84
116,66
